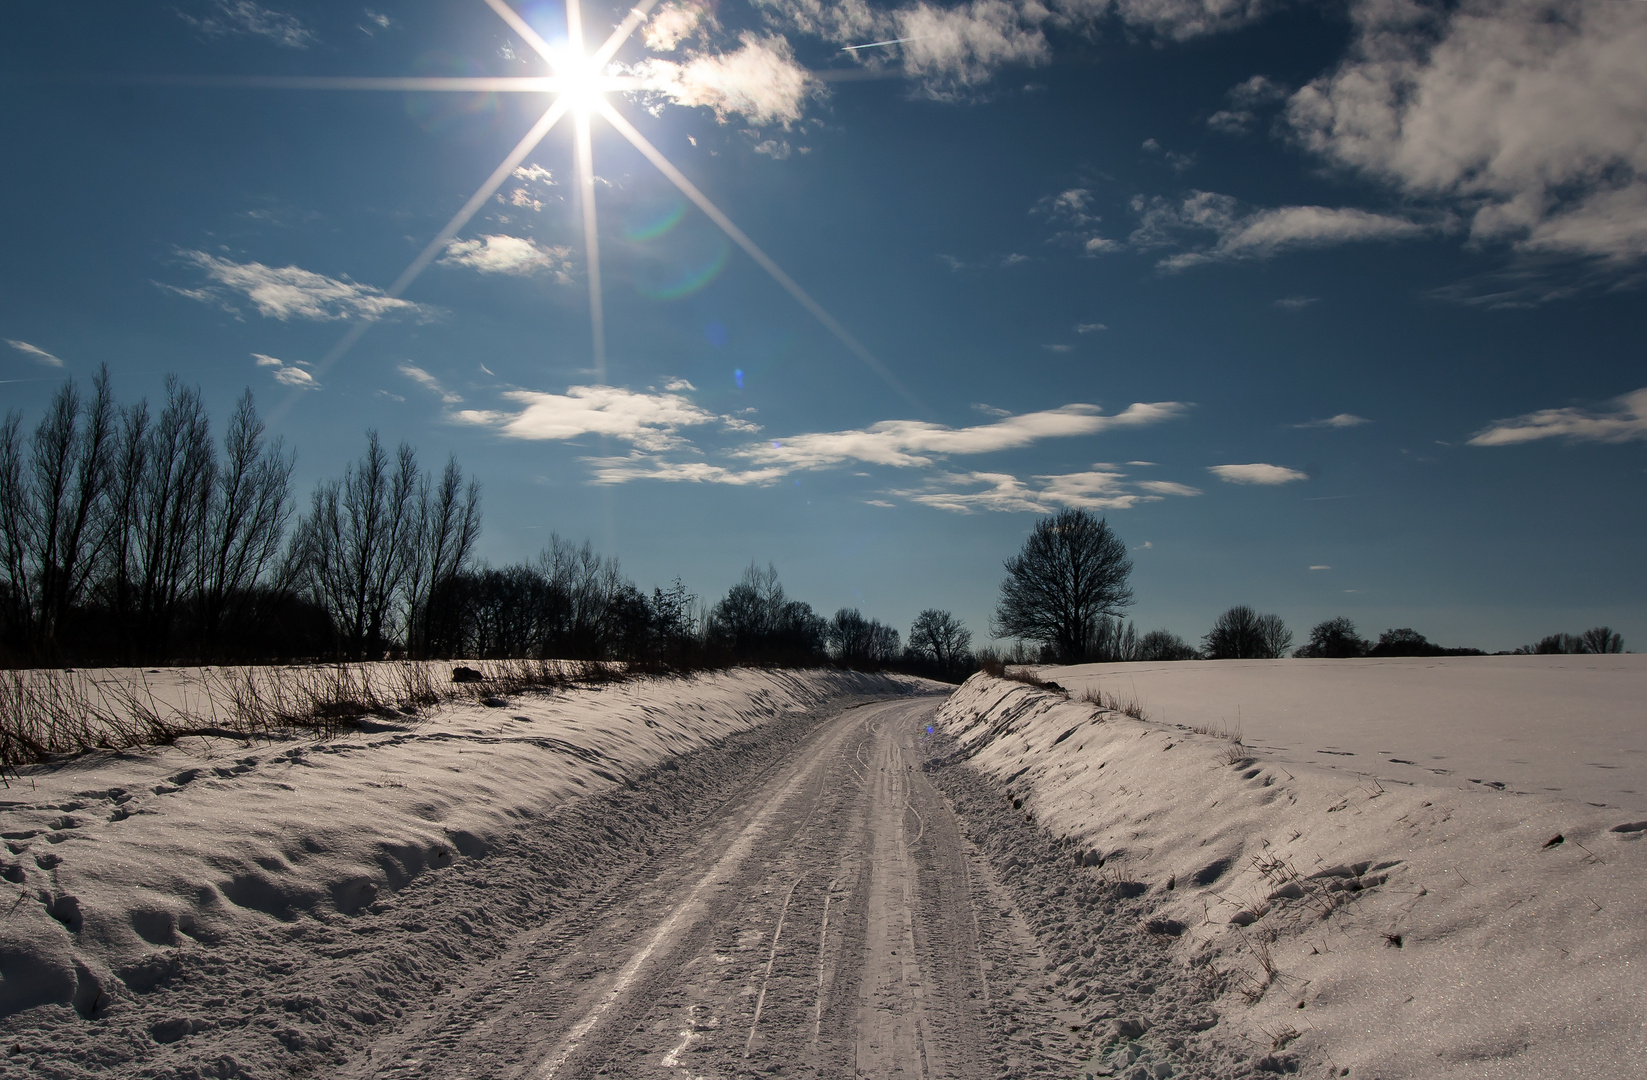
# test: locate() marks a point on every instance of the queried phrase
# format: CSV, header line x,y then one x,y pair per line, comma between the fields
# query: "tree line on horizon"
x,y
131,536
1066,593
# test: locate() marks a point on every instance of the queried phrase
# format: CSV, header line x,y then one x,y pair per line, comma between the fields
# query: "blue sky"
x,y
1328,308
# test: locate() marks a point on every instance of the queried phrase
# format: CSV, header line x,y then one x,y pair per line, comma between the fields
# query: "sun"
x,y
580,85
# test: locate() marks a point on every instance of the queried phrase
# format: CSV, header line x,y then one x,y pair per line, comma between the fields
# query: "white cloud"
x,y
1256,473
245,17
1258,234
293,293
513,255
991,410
1623,420
650,421
1319,566
36,352
1342,420
1296,303
1099,488
675,386
535,174
906,443
1245,99
761,81
639,466
953,47
1060,348
776,149
1089,327
430,383
1167,487
286,374
1525,115
674,23
845,22
1177,19
879,502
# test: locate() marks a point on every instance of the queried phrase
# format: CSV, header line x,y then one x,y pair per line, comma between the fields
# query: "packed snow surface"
x,y
117,858
1389,921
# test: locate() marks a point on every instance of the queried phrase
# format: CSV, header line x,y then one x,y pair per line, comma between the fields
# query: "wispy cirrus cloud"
x,y
1256,473
651,421
515,256
1103,487
286,374
233,17
35,352
1624,419
1341,420
913,443
1240,233
431,384
641,466
290,292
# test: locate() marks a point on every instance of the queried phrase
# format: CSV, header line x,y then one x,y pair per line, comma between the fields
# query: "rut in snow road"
x,y
828,921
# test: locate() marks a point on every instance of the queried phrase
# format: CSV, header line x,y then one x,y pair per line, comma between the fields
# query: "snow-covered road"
x,y
823,917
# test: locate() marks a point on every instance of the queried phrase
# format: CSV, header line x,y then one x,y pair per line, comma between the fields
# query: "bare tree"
x,y
1242,634
357,543
51,510
1071,573
940,637
1164,645
173,496
448,526
1601,639
246,522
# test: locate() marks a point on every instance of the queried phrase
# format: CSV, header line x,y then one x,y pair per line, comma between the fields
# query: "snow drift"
x,y
122,862
1384,925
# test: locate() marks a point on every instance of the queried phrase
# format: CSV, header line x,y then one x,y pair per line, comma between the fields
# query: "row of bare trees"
x,y
132,536
124,533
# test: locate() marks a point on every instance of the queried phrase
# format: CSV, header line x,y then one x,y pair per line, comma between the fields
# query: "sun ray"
x,y
524,29
690,190
591,239
527,144
636,16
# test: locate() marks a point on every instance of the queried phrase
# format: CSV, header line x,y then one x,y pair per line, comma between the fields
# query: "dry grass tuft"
x,y
45,713
1103,699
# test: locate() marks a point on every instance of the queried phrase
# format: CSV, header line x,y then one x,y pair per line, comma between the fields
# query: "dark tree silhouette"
x,y
1242,634
940,637
1163,645
1070,575
1602,639
1404,641
1334,638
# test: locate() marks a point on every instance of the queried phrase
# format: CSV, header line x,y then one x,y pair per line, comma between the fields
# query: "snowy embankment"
x,y
1377,923
126,865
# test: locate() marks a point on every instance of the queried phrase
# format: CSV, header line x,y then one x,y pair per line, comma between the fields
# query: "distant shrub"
x,y
1164,645
1404,642
1242,634
1334,639
1409,642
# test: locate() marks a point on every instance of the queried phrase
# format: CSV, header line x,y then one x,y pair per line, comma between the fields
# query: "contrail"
x,y
878,44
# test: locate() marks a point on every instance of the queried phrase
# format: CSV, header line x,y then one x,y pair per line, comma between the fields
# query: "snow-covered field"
x,y
1372,915
115,860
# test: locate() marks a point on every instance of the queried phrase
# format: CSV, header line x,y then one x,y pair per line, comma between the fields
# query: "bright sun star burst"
x,y
579,82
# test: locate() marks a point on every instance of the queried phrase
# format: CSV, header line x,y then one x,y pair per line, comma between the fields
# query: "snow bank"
x,y
117,858
1391,928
